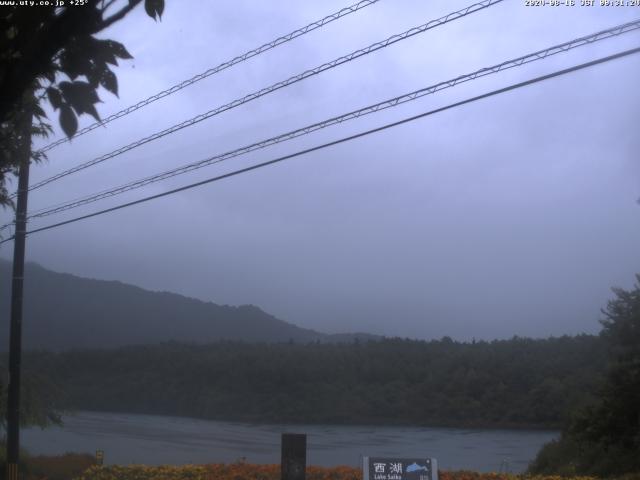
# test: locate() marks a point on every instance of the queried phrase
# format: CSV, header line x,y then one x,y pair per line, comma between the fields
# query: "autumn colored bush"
x,y
143,472
41,467
60,467
244,471
235,471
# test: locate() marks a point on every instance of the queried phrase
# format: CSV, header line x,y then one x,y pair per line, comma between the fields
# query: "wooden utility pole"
x,y
17,283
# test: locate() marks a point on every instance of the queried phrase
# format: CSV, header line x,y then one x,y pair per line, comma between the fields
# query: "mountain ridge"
x,y
63,311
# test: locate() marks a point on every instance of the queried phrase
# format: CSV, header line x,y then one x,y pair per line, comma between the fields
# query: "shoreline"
x,y
262,421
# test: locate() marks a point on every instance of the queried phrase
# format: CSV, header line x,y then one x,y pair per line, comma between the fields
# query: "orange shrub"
x,y
61,467
244,471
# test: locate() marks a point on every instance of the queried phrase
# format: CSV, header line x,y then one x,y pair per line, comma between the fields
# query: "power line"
x,y
223,66
538,55
525,59
344,139
276,86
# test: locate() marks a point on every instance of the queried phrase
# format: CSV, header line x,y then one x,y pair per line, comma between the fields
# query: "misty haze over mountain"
x,y
62,311
514,215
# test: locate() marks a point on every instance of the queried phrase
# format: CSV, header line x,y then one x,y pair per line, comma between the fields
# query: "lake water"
x,y
154,440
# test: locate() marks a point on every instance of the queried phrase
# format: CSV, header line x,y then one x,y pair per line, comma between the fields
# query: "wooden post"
x,y
294,456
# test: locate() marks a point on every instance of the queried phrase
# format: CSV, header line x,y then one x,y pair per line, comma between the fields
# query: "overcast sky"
x,y
510,216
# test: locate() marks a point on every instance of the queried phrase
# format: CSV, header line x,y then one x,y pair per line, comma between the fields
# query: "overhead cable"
x,y
276,86
342,140
389,103
212,71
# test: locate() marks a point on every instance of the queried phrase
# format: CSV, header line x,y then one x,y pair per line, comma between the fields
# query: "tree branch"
x,y
104,7
119,15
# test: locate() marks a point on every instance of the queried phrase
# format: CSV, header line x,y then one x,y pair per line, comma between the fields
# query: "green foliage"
x,y
14,143
603,438
154,8
556,458
88,57
51,54
509,383
570,457
40,401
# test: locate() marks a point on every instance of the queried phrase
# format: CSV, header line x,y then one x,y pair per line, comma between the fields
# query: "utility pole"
x,y
17,283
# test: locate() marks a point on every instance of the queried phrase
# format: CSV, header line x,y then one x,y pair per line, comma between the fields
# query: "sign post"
x,y
294,456
386,468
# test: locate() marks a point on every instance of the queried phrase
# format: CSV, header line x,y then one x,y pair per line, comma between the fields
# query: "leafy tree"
x,y
52,54
41,402
604,438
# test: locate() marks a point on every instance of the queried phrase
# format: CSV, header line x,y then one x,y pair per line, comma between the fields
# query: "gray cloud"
x,y
513,215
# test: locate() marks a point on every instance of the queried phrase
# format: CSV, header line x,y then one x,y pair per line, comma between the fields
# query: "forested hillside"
x,y
511,383
63,311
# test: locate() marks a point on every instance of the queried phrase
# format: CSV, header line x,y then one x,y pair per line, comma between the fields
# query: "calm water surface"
x,y
154,440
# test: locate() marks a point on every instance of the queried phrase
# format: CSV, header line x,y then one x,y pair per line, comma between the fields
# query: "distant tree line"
x,y
509,383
